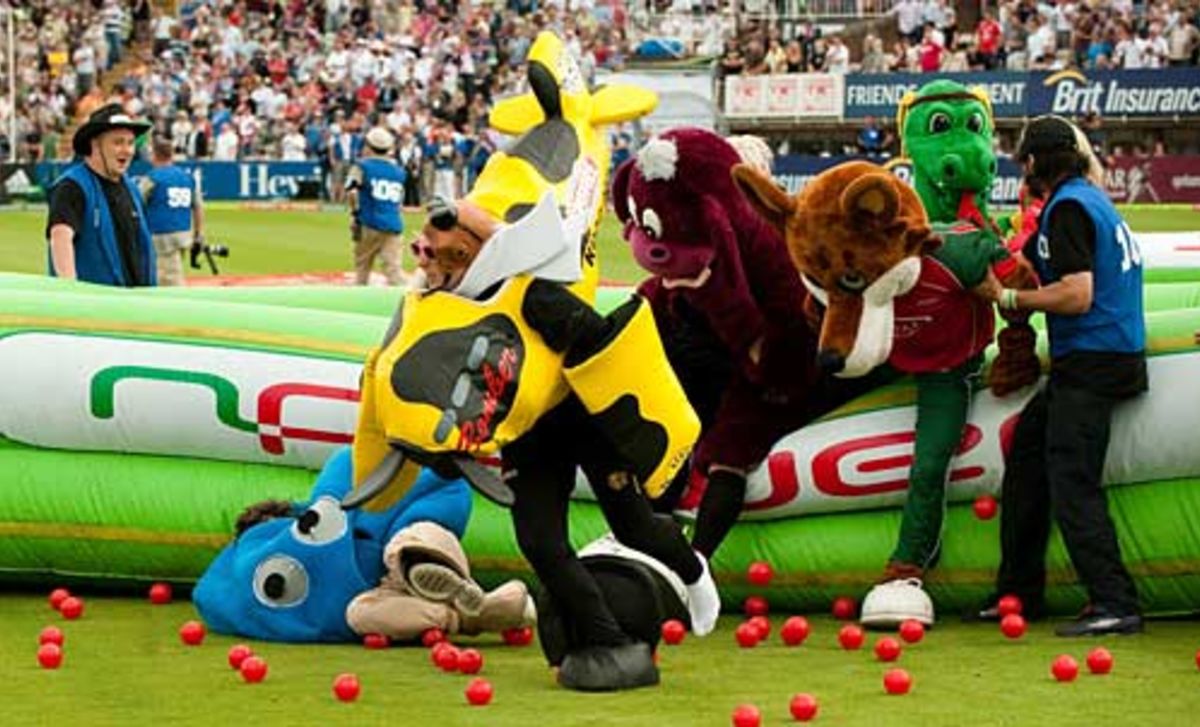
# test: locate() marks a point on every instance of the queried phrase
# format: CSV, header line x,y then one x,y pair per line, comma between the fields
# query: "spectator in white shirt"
x,y
908,20
295,146
1129,50
226,147
84,59
1156,48
837,58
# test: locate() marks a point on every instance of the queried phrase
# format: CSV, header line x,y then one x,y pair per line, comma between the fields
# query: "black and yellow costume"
x,y
529,371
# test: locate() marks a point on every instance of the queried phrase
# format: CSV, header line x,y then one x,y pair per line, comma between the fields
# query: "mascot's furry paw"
x,y
892,603
1017,365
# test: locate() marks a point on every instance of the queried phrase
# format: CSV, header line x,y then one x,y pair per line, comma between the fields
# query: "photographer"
x,y
97,228
173,211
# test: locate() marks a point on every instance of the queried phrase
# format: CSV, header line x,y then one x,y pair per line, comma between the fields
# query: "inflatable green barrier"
x,y
135,425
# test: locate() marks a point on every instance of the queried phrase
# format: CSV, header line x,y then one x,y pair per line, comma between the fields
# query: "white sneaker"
x,y
892,603
704,603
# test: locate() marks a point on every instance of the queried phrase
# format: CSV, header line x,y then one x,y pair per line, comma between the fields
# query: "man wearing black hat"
x,y
1090,269
97,226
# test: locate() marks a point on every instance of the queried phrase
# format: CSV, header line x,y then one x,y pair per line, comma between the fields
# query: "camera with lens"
x,y
200,247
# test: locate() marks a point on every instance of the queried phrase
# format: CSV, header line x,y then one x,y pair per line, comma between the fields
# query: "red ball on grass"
x,y
673,631
1100,660
160,594
803,707
521,636
238,653
254,669
897,681
746,635
71,608
763,624
50,656
912,631
887,649
844,608
376,641
1013,626
1009,604
794,631
756,606
1064,668
746,715
479,692
192,633
760,573
57,596
470,661
432,637
346,687
851,637
51,635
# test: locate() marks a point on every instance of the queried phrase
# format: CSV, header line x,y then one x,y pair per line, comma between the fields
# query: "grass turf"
x,y
124,664
291,242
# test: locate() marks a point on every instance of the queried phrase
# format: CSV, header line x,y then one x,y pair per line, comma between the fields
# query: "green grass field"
x,y
288,242
125,665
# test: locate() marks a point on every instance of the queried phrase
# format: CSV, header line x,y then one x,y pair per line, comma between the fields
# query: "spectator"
x,y
1182,43
1156,49
931,51
1129,52
988,34
294,146
837,58
227,144
1040,43
174,212
909,14
874,59
872,140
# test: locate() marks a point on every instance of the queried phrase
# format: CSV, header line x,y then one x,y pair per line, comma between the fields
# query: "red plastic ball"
x,y
803,707
794,631
985,507
844,608
746,635
160,594
71,607
1009,604
254,669
50,656
346,687
431,637
57,596
479,692
51,635
756,606
746,715
673,631
1198,658
522,636
446,658
1100,660
897,681
887,649
1064,668
376,641
470,661
760,573
192,633
851,637
912,631
1013,625
763,624
238,653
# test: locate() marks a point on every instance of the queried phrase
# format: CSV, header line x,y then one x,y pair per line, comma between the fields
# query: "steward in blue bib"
x,y
381,192
169,206
97,228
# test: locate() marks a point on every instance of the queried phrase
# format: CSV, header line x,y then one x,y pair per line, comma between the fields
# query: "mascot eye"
x,y
975,123
939,123
652,224
322,522
852,282
280,581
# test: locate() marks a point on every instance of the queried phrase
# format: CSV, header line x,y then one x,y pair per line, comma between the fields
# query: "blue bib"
x,y
169,208
381,195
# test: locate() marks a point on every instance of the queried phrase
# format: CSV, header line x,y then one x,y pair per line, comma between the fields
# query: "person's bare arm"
x,y
62,251
1069,296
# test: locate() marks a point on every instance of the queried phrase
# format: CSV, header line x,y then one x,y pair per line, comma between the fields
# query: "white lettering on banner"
x,y
1071,98
1074,94
878,94
256,181
1185,182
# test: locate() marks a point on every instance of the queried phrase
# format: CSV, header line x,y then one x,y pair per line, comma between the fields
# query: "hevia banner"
x,y
249,180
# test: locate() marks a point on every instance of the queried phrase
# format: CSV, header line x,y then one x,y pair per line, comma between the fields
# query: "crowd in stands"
x,y
305,79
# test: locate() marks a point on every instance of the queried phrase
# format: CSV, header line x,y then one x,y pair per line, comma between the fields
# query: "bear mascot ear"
x,y
870,200
772,203
619,193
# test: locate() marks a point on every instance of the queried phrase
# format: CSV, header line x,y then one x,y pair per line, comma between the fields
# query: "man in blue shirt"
x,y
97,229
1090,269
374,193
173,211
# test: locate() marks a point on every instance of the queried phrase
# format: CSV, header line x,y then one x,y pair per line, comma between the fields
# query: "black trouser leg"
x,y
634,524
1077,430
719,510
542,484
1025,509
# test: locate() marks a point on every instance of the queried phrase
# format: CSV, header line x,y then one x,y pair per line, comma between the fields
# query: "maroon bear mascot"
x,y
730,307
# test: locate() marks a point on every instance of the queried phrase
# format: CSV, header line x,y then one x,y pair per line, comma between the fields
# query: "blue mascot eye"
x,y
280,581
323,522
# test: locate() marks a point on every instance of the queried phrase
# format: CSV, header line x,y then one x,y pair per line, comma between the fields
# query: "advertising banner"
x,y
879,94
1162,92
793,172
792,95
250,180
1154,179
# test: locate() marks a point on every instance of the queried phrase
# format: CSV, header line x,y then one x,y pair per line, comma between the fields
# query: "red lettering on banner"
x,y
271,432
785,484
496,379
828,479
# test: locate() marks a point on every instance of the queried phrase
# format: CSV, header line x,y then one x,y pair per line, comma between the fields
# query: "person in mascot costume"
x,y
893,291
730,308
317,572
946,132
502,355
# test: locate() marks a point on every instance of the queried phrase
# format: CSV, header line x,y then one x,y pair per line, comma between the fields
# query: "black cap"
x,y
106,118
1047,134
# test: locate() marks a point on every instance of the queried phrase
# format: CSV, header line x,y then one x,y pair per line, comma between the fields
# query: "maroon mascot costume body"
x,y
730,307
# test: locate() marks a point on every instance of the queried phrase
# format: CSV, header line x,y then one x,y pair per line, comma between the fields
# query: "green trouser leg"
x,y
943,400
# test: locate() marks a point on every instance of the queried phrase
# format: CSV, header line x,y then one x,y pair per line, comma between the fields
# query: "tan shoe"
x,y
506,607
